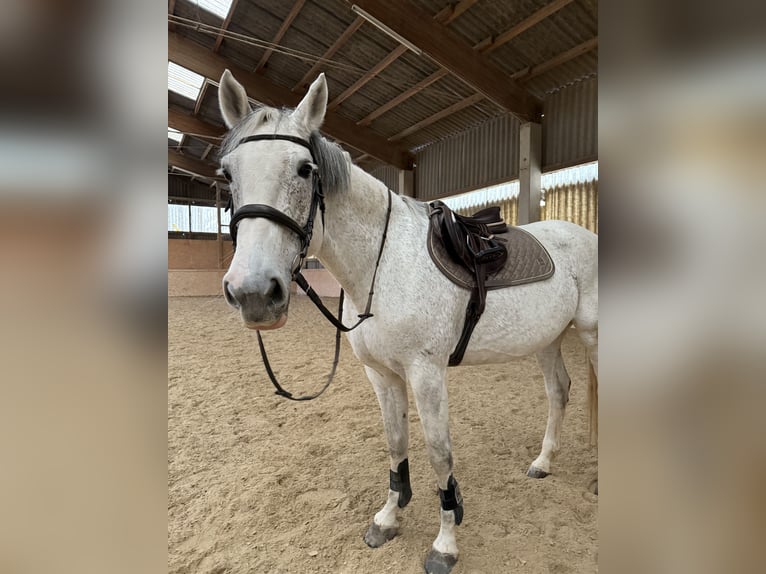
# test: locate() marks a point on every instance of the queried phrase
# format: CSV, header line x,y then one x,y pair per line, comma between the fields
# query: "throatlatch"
x,y
399,481
452,499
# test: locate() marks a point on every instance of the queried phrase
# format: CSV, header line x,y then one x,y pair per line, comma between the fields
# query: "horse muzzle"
x,y
261,303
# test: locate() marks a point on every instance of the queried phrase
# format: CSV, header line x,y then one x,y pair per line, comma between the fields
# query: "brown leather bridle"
x,y
304,232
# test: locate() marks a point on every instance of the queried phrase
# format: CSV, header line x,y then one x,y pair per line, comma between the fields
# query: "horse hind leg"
x,y
391,391
586,322
557,384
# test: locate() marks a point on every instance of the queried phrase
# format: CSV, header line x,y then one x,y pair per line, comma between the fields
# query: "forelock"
x,y
256,119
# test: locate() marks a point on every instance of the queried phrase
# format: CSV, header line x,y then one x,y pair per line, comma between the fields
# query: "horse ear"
x,y
232,100
310,112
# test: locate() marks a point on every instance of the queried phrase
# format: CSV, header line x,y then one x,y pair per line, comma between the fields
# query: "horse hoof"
x,y
438,563
535,472
376,536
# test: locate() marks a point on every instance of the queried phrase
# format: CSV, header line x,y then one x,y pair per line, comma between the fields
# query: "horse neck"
x,y
354,224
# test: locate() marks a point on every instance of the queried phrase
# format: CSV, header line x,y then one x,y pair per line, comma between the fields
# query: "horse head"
x,y
270,161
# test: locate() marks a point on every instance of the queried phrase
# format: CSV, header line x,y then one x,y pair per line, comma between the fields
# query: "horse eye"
x,y
226,174
305,170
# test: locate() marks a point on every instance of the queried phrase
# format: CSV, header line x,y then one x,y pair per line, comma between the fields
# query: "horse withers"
x,y
274,160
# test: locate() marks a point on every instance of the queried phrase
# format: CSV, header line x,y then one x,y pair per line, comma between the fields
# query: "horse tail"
x,y
593,403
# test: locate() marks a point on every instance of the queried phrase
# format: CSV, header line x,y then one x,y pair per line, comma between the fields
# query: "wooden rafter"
x,y
403,96
192,165
202,61
171,10
225,26
530,72
451,51
281,32
491,44
462,104
201,96
337,45
208,149
452,11
187,124
369,75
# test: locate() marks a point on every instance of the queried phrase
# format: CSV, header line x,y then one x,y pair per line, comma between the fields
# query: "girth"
x,y
481,253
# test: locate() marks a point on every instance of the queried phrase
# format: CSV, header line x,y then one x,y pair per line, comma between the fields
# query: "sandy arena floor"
x,y
258,484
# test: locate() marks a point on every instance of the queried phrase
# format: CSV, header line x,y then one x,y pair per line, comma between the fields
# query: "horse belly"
x,y
519,321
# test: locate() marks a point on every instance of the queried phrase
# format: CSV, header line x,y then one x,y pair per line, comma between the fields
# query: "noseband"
x,y
304,232
255,210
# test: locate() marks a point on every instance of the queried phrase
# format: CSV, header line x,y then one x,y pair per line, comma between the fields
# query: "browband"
x,y
272,137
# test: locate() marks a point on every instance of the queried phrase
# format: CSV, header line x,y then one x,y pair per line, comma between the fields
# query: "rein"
x,y
305,232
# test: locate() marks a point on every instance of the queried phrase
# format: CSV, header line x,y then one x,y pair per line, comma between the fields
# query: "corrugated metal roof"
x,y
320,22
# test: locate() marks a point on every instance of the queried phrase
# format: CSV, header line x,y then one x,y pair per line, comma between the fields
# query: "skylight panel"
x,y
175,135
184,82
218,7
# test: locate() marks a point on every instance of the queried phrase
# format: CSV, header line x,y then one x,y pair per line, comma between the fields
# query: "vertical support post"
x,y
407,182
190,225
219,237
530,162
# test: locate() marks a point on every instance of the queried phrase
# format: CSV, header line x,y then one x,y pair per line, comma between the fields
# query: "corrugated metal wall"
x,y
389,175
476,158
570,125
488,154
577,203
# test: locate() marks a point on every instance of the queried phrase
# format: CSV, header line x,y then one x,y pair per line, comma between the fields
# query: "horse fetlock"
x,y
439,562
451,499
376,536
399,481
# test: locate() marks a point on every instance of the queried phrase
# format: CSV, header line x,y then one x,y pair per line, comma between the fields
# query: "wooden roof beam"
x,y
225,26
202,61
402,97
469,101
530,72
337,45
369,75
452,11
490,44
171,10
281,32
452,52
191,125
192,165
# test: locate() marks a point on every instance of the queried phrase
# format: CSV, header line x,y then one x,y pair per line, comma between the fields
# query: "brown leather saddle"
x,y
481,252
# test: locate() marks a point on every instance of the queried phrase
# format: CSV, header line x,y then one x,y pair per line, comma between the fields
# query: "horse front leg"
x,y
391,391
429,385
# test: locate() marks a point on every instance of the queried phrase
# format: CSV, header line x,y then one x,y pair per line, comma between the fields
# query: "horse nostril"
x,y
228,294
276,293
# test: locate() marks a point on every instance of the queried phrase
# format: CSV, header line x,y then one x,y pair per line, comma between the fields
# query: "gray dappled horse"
x,y
417,313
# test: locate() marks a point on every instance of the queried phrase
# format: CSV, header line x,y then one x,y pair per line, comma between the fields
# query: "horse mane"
x,y
334,163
